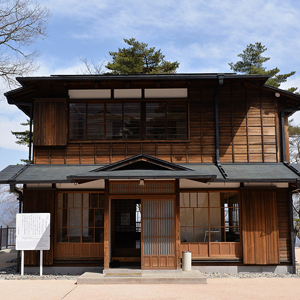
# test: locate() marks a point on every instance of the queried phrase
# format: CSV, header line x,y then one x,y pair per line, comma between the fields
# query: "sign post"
x,y
33,233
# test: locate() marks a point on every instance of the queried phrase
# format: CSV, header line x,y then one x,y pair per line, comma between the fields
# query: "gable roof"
x,y
141,162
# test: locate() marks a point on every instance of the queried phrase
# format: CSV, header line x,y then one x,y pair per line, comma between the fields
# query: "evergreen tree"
x,y
252,63
139,59
23,137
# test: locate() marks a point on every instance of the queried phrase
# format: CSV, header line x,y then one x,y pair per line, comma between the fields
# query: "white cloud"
x,y
8,123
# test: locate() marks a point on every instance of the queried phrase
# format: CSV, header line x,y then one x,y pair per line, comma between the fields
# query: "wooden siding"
x,y
260,227
284,225
79,251
50,123
221,250
249,132
40,201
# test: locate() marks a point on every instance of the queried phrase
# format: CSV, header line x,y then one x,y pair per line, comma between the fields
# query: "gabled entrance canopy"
x,y
142,166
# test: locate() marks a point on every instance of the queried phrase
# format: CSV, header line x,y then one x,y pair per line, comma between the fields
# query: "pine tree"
x,y
252,63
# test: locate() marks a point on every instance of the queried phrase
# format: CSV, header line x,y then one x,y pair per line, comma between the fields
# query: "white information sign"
x,y
33,231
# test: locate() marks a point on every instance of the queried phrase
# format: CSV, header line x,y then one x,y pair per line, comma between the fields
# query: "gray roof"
x,y
65,173
145,174
259,172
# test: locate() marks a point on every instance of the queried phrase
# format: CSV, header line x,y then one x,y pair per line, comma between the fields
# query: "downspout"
x,y
217,135
292,233
30,133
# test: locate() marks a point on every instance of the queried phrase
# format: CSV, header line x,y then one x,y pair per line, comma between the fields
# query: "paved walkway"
x,y
219,289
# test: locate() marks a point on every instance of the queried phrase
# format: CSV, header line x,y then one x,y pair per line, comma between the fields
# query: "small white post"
x,y
41,262
22,262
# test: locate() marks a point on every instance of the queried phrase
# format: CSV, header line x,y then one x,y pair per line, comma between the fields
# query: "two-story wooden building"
x,y
138,168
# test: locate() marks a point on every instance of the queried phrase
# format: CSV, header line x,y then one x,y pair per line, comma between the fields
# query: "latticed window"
x,y
128,120
209,217
80,218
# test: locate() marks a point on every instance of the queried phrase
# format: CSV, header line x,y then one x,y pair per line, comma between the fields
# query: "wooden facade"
x,y
150,222
249,132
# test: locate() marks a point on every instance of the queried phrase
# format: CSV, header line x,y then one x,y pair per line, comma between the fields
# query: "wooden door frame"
x,y
107,220
112,231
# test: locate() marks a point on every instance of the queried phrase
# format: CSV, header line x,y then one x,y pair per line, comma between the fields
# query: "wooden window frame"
x,y
143,115
235,247
81,216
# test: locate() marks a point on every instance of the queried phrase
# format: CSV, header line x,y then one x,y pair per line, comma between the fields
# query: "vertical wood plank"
x,y
106,226
260,227
177,225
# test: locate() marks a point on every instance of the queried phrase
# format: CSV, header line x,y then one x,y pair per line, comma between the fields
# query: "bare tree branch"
x,y
92,67
22,22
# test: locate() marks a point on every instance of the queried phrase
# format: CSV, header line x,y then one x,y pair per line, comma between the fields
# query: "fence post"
x,y
6,237
0,237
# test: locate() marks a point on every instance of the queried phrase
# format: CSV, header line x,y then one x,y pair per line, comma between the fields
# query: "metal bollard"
x,y
186,261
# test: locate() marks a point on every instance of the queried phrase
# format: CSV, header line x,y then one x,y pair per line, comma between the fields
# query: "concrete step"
x,y
137,276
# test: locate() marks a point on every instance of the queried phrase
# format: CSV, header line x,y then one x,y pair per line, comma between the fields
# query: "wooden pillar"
x,y
106,226
177,225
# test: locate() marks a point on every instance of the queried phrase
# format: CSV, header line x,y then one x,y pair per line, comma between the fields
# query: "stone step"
x,y
141,277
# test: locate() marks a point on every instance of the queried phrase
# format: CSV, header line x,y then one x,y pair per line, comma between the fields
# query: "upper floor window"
x,y
128,120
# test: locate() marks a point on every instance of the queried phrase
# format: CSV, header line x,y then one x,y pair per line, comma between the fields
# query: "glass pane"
x,y
77,121
85,218
74,235
114,130
75,217
232,234
95,122
64,217
59,218
77,200
177,120
186,216
87,235
201,234
99,235
93,200
216,215
233,217
70,200
233,200
214,199
156,121
62,235
132,121
85,200
99,217
193,199
101,200
216,235
91,218
184,199
186,234
202,199
200,217
60,200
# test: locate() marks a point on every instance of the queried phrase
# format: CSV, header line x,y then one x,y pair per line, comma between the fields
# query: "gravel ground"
x,y
253,275
11,274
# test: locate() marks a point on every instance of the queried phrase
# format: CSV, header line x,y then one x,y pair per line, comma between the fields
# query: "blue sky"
x,y
203,36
